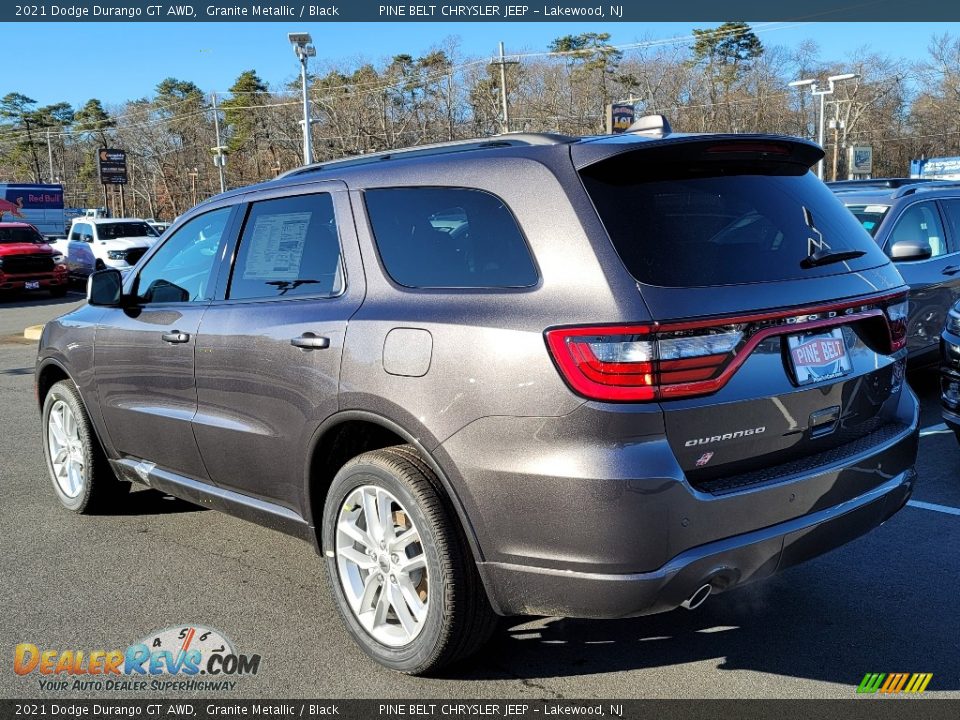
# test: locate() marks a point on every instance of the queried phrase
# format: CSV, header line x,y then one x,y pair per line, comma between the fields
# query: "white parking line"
x,y
935,430
933,506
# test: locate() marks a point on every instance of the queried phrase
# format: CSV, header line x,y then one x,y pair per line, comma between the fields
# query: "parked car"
x,y
98,243
950,370
530,374
27,262
917,224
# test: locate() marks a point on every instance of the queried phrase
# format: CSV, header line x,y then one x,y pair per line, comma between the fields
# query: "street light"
x,y
832,81
303,49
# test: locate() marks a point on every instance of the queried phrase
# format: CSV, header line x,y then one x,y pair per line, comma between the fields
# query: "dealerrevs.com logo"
x,y
182,658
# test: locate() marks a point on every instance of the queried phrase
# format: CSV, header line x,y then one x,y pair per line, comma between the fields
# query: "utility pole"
x,y
836,136
50,156
219,159
503,62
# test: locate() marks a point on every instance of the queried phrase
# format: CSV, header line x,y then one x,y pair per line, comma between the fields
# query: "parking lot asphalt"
x,y
884,603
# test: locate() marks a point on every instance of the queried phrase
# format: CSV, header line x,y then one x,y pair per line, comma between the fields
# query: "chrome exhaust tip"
x,y
698,598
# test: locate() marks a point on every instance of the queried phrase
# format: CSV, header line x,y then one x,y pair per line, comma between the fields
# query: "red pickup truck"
x,y
27,262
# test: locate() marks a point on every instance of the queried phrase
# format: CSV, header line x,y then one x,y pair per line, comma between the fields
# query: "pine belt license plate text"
x,y
32,285
819,356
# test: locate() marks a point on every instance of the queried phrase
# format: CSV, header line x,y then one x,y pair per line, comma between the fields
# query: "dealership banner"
x,y
521,709
488,10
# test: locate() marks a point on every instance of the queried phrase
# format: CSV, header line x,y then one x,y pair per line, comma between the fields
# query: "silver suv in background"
x,y
916,222
530,374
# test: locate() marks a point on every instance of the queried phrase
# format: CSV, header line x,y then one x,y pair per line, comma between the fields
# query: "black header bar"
x,y
298,11
522,709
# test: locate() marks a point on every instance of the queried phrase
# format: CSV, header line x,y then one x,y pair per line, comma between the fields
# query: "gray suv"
x,y
916,222
531,374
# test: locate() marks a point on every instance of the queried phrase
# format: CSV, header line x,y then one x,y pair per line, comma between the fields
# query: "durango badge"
x,y
726,436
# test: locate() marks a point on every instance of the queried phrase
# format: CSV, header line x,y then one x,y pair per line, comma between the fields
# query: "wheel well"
x,y
49,376
339,445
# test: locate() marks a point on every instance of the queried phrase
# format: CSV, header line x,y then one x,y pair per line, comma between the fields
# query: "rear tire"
x,y
415,621
59,291
82,478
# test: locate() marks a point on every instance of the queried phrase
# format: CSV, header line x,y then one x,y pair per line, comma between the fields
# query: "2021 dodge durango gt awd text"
x,y
533,374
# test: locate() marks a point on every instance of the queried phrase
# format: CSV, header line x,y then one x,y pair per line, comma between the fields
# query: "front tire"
x,y
82,479
402,574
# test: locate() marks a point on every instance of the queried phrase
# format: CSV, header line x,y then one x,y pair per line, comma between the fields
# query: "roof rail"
x,y
931,185
454,146
878,183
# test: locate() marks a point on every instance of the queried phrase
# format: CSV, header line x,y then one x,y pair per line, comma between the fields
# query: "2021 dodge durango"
x,y
533,374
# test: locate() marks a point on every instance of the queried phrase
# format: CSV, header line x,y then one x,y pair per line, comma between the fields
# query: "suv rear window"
x,y
677,224
432,237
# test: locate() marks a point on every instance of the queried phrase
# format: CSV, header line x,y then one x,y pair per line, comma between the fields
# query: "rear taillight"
x,y
606,363
625,363
635,362
896,313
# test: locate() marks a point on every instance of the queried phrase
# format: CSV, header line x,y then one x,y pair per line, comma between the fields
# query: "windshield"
x,y
678,225
20,235
870,216
112,231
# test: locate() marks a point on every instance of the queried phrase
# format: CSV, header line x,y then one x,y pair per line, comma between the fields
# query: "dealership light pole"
x,y
816,91
304,49
219,159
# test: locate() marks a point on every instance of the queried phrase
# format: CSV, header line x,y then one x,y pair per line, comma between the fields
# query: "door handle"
x,y
309,341
176,337
951,270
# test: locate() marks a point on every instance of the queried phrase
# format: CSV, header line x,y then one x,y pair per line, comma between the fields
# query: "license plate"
x,y
32,285
819,356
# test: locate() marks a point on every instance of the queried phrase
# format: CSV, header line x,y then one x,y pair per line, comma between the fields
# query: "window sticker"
x,y
276,246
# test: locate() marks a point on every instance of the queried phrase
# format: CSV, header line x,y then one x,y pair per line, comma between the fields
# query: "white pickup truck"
x,y
98,243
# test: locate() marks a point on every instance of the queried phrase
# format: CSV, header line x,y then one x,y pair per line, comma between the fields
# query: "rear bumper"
x,y
525,590
590,515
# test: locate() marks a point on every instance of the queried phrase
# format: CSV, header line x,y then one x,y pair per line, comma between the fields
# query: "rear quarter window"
x,y
432,237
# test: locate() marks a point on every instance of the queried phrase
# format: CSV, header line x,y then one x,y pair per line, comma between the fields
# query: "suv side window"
x,y
181,269
951,209
435,237
289,247
920,222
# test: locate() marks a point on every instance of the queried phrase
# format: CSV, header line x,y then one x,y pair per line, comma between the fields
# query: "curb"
x,y
33,332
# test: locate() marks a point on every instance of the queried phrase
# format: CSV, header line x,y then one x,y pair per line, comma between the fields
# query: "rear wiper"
x,y
827,256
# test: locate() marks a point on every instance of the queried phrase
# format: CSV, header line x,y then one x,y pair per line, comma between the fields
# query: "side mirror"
x,y
907,250
105,287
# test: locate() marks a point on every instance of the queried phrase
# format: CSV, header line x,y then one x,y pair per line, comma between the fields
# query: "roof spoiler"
x,y
699,149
